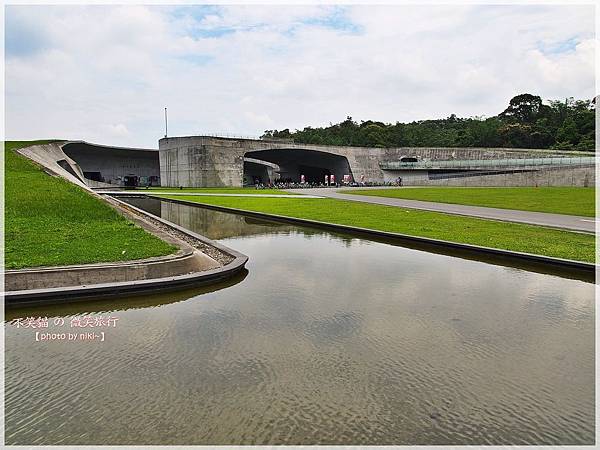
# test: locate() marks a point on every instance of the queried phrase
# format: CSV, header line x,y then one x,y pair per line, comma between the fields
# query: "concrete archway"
x,y
111,165
257,171
313,164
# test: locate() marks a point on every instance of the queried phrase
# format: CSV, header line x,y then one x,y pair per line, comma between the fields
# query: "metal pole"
x,y
165,122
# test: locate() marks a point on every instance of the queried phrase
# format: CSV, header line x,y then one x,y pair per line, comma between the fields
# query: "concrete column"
x,y
201,162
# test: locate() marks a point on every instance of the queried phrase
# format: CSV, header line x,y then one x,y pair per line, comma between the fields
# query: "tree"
x,y
524,108
527,122
515,135
568,132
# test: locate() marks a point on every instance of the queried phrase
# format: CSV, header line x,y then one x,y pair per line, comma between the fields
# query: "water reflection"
x,y
328,339
209,223
119,304
220,225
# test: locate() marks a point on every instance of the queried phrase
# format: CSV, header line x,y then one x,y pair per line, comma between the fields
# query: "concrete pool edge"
x,y
588,269
28,297
197,236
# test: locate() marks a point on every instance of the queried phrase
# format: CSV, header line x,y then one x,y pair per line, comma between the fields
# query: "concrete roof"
x,y
109,147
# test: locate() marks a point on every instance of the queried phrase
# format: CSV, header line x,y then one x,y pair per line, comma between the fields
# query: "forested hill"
x,y
527,123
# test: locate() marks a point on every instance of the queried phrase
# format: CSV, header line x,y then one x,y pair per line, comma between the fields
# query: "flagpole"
x,y
165,122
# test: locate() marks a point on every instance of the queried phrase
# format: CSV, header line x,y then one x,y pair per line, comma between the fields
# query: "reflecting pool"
x,y
326,339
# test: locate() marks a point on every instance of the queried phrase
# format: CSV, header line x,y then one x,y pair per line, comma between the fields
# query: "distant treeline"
x,y
526,123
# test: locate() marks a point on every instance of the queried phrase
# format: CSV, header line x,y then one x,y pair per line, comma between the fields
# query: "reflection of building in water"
x,y
148,204
215,224
221,225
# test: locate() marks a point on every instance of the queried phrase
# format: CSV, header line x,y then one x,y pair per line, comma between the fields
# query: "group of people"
x,y
288,183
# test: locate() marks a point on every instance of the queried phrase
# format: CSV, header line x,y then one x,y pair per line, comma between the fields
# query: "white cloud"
x,y
72,70
117,130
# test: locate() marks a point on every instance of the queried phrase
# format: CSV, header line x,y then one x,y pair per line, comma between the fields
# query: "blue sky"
x,y
105,73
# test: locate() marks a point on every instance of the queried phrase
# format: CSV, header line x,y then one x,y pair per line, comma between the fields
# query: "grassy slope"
x,y
504,235
224,190
49,221
560,200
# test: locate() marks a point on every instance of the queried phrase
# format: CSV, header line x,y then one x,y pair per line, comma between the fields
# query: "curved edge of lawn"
x,y
515,237
52,222
222,190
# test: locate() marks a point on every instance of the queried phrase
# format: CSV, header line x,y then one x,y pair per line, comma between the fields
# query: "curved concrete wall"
x,y
201,161
550,176
113,163
55,161
204,161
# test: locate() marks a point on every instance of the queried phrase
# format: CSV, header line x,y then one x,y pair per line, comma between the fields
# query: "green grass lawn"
x,y
222,190
49,221
488,233
578,201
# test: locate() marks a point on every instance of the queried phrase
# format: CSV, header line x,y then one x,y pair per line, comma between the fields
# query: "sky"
x,y
104,74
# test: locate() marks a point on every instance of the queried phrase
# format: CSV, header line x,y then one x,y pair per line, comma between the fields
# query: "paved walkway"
x,y
206,194
576,223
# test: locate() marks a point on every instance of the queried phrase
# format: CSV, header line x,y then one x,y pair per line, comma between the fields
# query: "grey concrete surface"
x,y
113,163
55,162
73,160
580,176
185,261
574,223
205,194
29,297
205,161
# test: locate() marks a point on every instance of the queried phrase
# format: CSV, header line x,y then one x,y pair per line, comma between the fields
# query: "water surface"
x,y
326,339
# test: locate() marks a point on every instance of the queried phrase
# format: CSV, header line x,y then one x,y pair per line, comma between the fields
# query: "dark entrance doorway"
x,y
314,174
314,165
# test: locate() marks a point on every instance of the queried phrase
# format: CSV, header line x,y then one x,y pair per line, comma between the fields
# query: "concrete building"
x,y
204,161
104,164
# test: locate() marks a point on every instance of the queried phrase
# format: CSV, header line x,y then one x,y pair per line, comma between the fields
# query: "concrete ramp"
x,y
55,162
